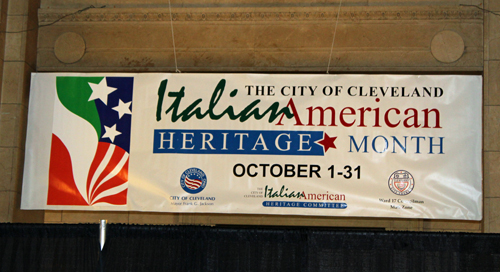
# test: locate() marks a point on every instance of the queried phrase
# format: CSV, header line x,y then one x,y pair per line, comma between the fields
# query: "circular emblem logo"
x,y
193,180
401,182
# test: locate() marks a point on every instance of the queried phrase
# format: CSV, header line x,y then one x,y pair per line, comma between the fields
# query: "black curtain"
x,y
199,248
30,247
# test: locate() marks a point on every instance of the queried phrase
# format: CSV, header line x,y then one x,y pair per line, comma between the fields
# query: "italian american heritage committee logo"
x,y
90,147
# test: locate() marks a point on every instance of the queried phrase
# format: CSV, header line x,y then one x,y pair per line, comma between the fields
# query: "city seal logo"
x,y
193,180
401,182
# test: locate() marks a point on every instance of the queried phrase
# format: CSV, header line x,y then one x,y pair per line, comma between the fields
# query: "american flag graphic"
x,y
90,141
192,184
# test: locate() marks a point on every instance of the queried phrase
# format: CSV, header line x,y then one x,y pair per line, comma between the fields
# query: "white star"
x,y
101,91
111,132
122,108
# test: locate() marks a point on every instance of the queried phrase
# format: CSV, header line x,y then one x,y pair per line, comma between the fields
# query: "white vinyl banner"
x,y
401,146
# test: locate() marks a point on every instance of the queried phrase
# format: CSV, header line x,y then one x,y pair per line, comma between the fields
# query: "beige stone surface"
x,y
18,168
153,218
15,45
15,85
258,60
447,46
493,215
410,2
284,3
406,224
31,34
25,216
491,128
69,47
13,125
6,168
493,5
18,7
52,216
493,38
93,217
489,84
486,215
453,225
13,101
6,206
3,10
211,39
491,174
10,115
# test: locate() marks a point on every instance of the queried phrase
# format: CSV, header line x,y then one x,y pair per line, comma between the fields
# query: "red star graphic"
x,y
327,142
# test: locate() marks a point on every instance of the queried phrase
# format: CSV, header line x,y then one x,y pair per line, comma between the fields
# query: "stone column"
x,y
491,158
18,47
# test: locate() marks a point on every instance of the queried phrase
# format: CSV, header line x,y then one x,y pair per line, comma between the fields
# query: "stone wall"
x,y
18,48
263,39
373,36
491,117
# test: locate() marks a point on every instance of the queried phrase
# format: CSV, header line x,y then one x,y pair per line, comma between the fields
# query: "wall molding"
x,y
47,16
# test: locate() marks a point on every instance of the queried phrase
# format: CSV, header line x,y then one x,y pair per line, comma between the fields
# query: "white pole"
x,y
102,232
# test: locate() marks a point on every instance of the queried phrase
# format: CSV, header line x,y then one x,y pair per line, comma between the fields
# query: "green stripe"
x,y
74,93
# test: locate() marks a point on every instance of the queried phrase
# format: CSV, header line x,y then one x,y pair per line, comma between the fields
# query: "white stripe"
x,y
112,174
111,191
100,168
80,138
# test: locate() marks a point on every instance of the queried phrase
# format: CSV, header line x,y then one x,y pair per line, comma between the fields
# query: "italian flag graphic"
x,y
90,141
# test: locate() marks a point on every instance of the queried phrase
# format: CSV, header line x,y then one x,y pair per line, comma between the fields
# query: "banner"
x,y
402,146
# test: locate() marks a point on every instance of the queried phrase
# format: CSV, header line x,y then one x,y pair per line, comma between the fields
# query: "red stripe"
x,y
117,199
102,148
193,183
196,181
114,160
120,178
62,186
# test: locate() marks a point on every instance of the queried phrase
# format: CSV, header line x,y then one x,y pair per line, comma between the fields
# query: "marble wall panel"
x,y
493,38
492,5
25,216
132,60
52,217
360,36
31,34
18,168
17,8
10,210
6,168
151,35
453,225
153,218
492,215
6,206
487,83
14,83
10,118
491,137
15,45
20,21
285,3
271,47
406,224
396,60
409,2
93,217
491,174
